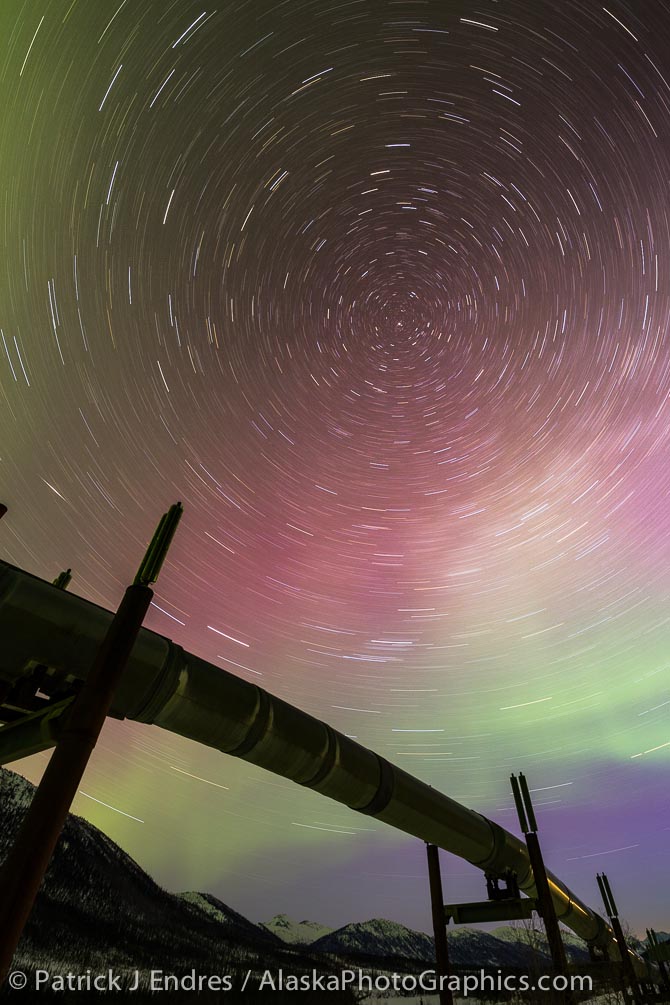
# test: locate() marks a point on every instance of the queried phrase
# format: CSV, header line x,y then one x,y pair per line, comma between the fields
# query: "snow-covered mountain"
x,y
377,938
536,942
468,947
298,933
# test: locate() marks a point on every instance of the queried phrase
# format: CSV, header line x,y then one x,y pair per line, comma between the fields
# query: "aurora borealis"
x,y
381,292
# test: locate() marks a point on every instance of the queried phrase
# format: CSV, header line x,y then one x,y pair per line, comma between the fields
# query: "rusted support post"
x,y
626,966
28,859
545,903
439,921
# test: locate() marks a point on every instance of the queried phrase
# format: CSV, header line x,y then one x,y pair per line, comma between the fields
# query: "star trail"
x,y
381,293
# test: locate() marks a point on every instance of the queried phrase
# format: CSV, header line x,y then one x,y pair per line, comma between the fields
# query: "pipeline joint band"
x,y
384,793
329,760
259,726
162,689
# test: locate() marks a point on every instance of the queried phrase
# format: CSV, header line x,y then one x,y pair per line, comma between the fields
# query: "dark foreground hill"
x,y
99,910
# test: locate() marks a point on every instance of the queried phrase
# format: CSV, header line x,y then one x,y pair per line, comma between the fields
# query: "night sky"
x,y
381,292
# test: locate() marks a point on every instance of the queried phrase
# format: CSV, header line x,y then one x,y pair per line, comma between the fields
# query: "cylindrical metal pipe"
x,y
168,687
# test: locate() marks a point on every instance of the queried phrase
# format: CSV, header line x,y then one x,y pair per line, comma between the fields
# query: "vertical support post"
x,y
628,974
439,922
63,579
652,939
28,859
545,903
611,910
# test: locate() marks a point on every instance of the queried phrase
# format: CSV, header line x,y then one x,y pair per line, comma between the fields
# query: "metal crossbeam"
x,y
514,909
34,732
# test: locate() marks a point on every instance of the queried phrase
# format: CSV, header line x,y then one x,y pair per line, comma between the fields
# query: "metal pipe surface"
x,y
170,688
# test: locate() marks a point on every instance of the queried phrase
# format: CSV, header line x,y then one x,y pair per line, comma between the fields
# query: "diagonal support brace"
x,y
34,732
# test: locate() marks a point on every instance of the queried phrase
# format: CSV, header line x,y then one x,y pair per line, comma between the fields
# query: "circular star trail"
x,y
380,291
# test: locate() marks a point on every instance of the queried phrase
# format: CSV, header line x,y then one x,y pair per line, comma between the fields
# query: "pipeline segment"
x,y
45,627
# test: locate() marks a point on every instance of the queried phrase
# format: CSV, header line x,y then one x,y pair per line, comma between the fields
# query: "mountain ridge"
x,y
295,932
